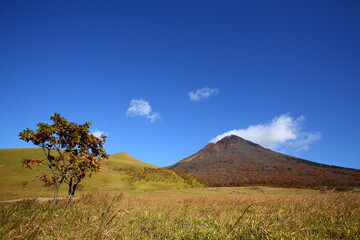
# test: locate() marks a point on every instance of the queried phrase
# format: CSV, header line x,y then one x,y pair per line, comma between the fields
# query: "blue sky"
x,y
163,78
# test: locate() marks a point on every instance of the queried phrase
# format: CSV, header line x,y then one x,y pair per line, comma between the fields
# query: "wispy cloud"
x,y
202,93
97,133
284,133
141,107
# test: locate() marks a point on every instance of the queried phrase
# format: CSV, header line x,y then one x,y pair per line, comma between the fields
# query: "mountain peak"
x,y
233,139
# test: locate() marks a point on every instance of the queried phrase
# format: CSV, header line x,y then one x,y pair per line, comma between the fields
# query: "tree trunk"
x,y
56,192
70,197
72,187
70,190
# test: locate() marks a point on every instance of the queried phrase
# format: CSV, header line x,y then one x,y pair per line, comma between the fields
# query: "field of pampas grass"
x,y
186,216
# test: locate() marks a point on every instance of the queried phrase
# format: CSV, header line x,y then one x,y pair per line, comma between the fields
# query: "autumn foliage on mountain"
x,y
234,161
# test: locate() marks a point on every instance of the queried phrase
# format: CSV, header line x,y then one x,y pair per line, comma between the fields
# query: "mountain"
x,y
120,172
234,161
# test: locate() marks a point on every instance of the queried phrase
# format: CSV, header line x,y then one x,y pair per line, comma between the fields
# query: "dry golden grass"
x,y
119,172
187,215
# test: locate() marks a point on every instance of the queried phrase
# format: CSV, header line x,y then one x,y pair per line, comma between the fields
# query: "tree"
x,y
71,152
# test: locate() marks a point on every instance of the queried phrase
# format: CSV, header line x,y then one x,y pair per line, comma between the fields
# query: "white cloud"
x,y
98,133
141,107
284,133
153,117
303,142
202,93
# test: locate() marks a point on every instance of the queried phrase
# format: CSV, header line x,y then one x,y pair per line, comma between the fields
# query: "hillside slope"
x,y
120,172
234,161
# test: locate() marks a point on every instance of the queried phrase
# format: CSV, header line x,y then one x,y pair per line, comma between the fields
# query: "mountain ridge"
x,y
234,161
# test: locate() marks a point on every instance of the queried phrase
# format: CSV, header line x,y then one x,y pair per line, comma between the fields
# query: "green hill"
x,y
120,172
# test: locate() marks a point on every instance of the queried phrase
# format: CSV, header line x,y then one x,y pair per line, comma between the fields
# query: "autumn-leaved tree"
x,y
71,152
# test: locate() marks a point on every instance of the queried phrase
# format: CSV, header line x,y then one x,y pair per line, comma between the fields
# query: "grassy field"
x,y
118,173
140,201
203,213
